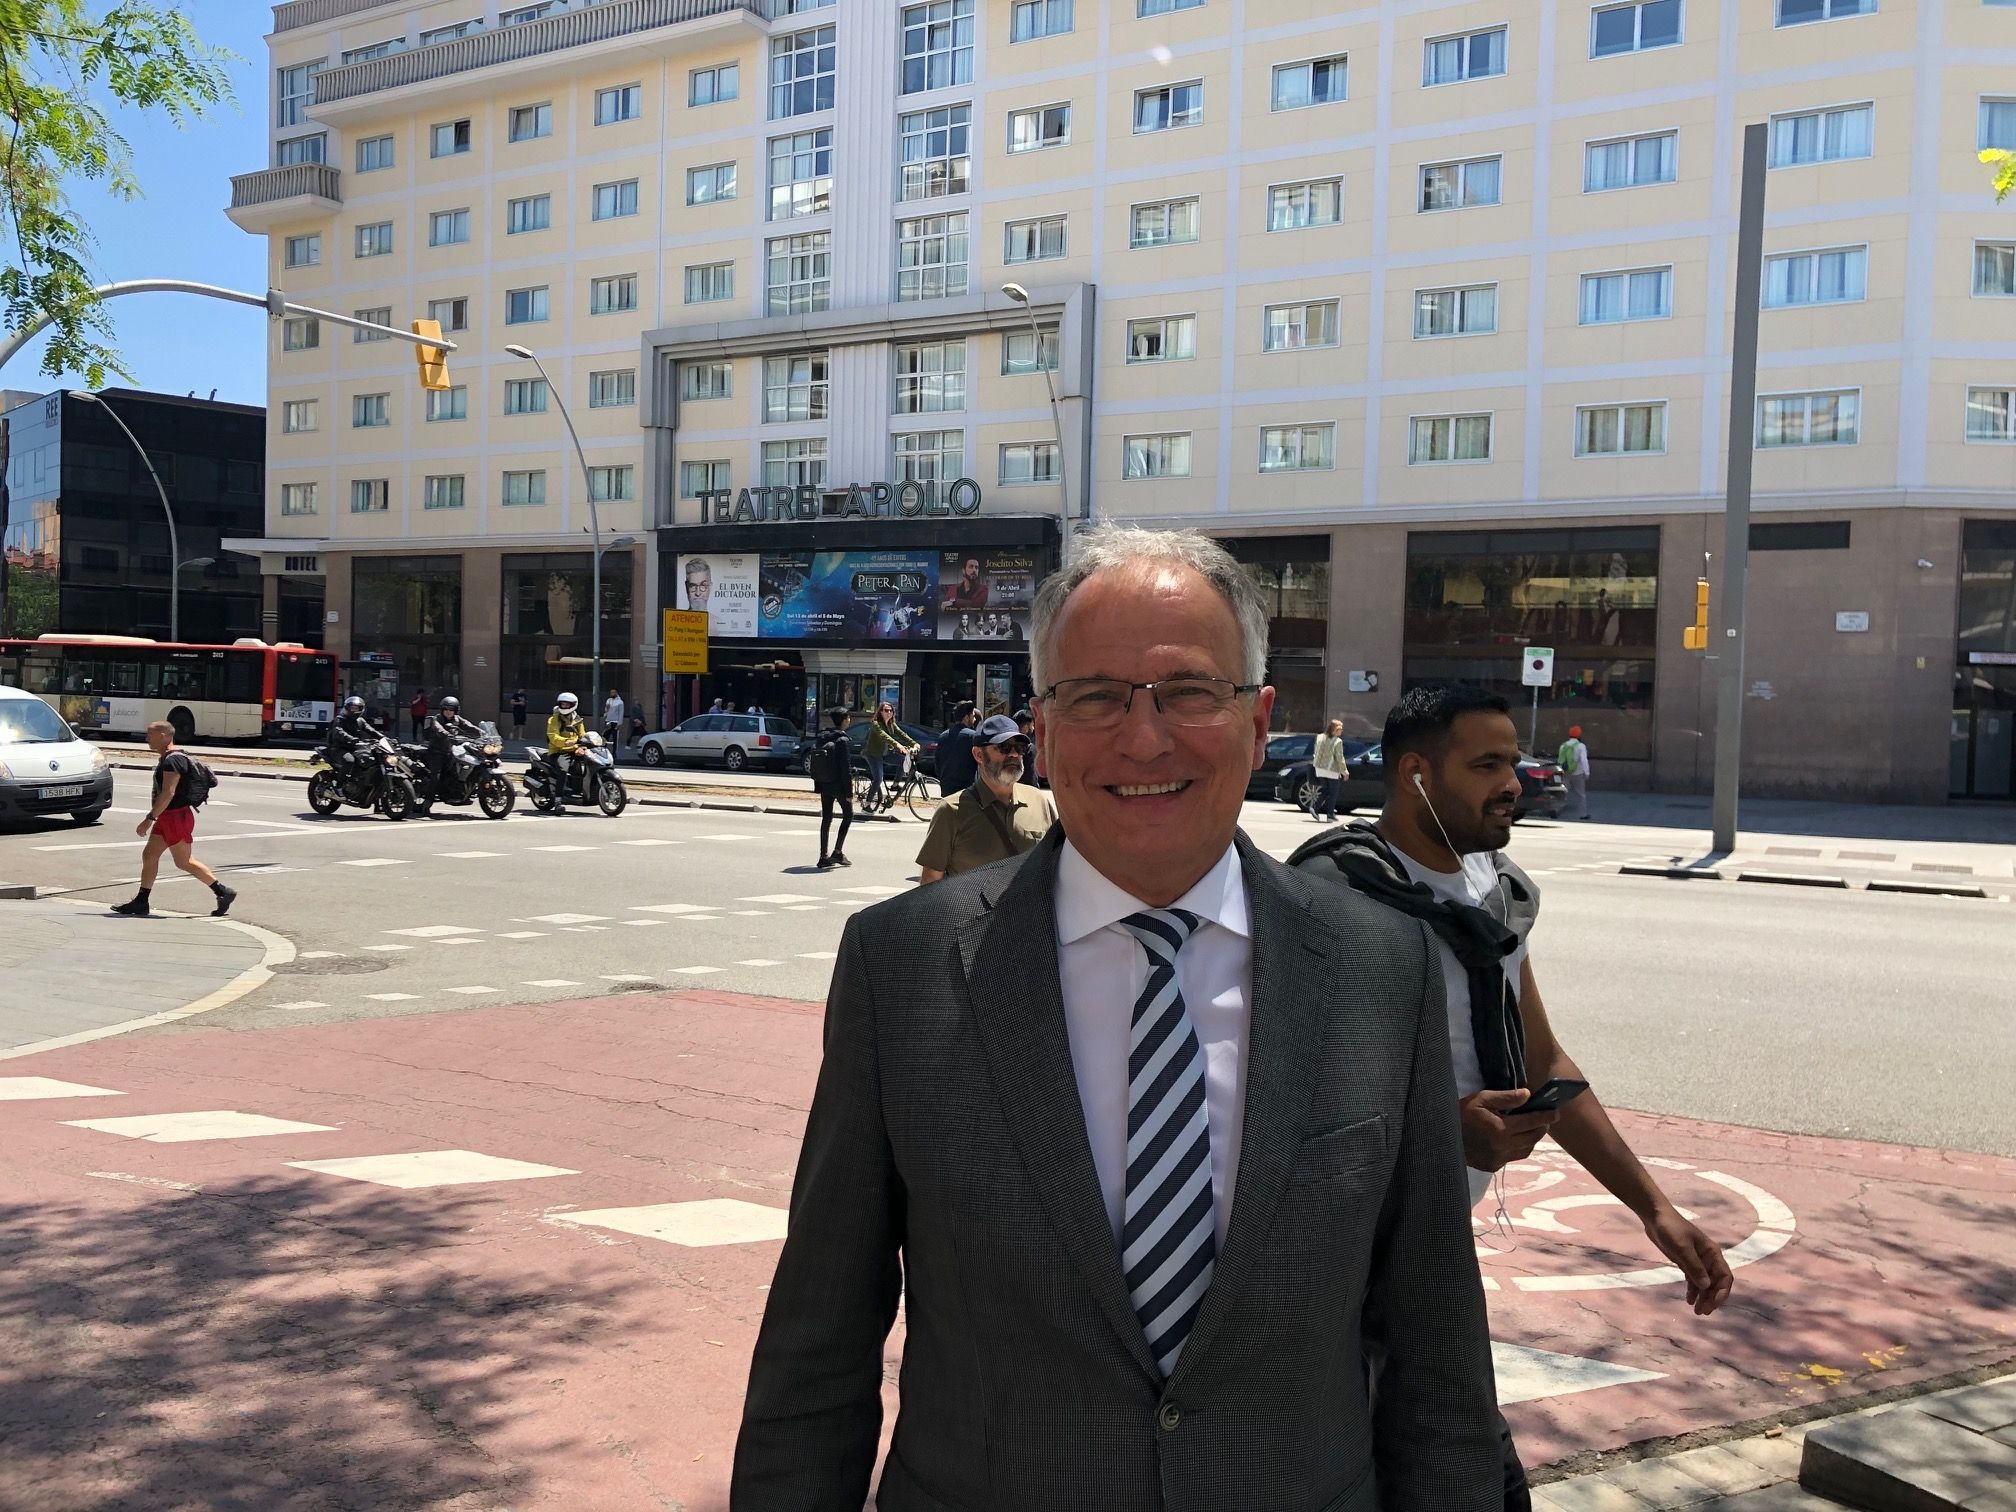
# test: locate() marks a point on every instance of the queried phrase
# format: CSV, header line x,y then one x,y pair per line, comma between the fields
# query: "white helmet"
x,y
566,701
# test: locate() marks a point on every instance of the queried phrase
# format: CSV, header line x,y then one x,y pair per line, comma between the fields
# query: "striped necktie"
x,y
1168,1239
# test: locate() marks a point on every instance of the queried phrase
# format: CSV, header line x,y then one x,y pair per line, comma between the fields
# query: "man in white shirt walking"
x,y
612,719
1573,759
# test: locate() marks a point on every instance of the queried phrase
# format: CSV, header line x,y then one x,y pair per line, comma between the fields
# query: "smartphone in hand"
x,y
1551,1098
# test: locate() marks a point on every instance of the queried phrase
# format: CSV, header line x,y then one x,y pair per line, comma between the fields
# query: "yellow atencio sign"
x,y
685,640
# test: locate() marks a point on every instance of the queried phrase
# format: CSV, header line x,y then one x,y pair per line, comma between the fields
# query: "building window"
x,y
297,417
798,273
1471,311
1027,462
1996,130
612,484
937,151
1164,7
1297,327
1806,278
453,314
795,464
293,92
625,102
1162,223
1035,240
380,315
297,499
929,456
524,13
801,73
697,478
931,257
448,139
1629,162
794,388
525,306
368,411
801,174
529,121
1832,418
1995,268
1298,448
533,213
704,186
374,50
300,333
524,396
1608,298
613,389
304,251
449,33
1826,136
782,8
1162,456
374,240
370,495
1030,19
931,378
301,149
1170,106
1614,430
614,201
445,227
524,487
1991,414
1460,186
1028,352
937,45
617,293
1162,338
705,283
1314,81
442,491
448,403
704,86
1040,127
1473,55
1448,438
1616,29
1296,207
1797,12
706,380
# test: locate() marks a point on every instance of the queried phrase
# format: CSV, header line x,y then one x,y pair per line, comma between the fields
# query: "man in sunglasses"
x,y
997,817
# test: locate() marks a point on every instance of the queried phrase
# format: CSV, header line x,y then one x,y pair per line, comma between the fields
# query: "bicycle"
x,y
908,787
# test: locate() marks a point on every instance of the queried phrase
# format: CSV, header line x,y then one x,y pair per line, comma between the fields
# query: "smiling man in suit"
x,y
1158,1136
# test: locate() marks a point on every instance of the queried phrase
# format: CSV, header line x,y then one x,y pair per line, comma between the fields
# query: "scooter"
x,y
595,780
379,778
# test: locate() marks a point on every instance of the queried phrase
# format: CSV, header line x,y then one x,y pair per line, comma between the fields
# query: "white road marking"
x,y
471,855
759,961
647,923
1528,1375
674,908
383,948
430,1168
751,913
877,891
282,825
727,837
552,982
584,928
456,940
566,918
562,847
470,991
780,898
521,934
392,997
297,1007
433,931
711,1221
318,955
184,1128
645,842
696,970
818,955
29,1088
803,907
372,861
627,977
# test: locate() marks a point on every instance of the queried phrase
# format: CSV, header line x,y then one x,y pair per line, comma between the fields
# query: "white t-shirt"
x,y
1474,884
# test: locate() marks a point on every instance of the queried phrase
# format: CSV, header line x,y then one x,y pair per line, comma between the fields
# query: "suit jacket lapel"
x,y
1010,957
1284,1043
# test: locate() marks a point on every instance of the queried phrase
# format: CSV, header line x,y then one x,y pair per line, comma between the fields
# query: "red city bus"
x,y
245,691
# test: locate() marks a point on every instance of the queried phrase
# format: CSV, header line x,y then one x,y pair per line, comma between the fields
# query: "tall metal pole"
x,y
174,546
594,530
1736,508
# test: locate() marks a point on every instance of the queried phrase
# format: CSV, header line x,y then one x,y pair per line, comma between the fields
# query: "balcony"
x,y
299,191
299,13
538,46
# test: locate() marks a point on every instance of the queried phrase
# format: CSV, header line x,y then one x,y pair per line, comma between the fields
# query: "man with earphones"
x,y
1451,758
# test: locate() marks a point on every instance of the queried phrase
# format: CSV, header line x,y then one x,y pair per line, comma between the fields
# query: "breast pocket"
x,y
1340,1151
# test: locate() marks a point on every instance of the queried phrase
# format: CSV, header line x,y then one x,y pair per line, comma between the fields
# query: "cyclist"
x,y
884,735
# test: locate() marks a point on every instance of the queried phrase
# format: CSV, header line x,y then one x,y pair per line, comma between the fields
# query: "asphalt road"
x,y
1827,1012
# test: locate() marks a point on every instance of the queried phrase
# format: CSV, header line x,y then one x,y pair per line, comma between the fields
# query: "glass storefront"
x,y
410,610
1293,573
1983,742
547,646
1476,599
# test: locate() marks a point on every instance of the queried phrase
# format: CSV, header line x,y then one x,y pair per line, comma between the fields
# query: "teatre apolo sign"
x,y
908,500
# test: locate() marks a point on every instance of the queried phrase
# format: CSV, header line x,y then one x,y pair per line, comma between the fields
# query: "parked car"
x,y
735,741
857,737
1282,751
1541,790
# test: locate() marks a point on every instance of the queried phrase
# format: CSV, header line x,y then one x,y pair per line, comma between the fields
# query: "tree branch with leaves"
x,y
2004,164
60,69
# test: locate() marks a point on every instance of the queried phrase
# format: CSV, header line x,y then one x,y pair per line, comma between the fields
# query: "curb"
x,y
1792,879
18,890
1929,889
1670,873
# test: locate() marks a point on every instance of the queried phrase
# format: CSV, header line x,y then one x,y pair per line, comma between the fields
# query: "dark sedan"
x,y
1541,791
1282,751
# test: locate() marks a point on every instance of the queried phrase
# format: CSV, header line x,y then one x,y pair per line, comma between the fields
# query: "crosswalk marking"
x,y
392,997
672,908
523,934
780,898
759,961
646,923
297,1007
552,982
644,842
561,847
621,976
366,861
566,918
696,970
29,1088
472,855
430,1168
711,1221
434,931
471,991
186,1128
385,948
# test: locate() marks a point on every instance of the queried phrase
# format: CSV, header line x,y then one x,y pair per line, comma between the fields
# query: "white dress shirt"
x,y
1103,968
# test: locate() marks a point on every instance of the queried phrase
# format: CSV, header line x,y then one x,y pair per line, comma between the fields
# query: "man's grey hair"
x,y
1106,547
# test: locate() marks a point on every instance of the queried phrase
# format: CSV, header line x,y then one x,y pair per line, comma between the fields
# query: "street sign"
x,y
685,641
1538,670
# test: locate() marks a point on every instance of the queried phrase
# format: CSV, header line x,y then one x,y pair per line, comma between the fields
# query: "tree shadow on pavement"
x,y
276,1344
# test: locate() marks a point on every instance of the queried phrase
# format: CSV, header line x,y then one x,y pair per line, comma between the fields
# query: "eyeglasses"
x,y
1099,703
1019,746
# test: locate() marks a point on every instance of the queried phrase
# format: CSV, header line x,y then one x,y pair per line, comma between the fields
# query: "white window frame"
x,y
1044,342
300,333
456,220
1974,274
1627,274
528,123
623,102
1637,30
1809,395
1046,12
445,406
794,295
1619,407
300,417
930,377
1169,454
927,456
1812,279
2007,410
1040,116
303,251
708,283
1326,429
616,200
526,396
798,194
786,82
1135,242
1333,319
932,173
452,311
1306,189
1461,305
1339,66
1634,140
1470,38
616,293
1462,201
370,411
372,240
299,499
1146,8
530,487
1820,114
538,304
706,475
1982,141
312,147
294,92
1045,453
378,315
1033,233
377,153
523,209
443,491
797,387
1414,459
1192,116
945,31
461,138
370,495
921,278
797,462
716,75
1862,8
709,184
613,483
700,382
613,388
1163,336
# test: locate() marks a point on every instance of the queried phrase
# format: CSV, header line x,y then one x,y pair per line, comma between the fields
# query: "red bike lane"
x,y
518,1255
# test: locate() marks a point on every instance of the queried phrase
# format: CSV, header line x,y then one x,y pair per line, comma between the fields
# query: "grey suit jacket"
x,y
946,1158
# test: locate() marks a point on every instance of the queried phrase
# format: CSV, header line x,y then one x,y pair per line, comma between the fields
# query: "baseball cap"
x,y
997,729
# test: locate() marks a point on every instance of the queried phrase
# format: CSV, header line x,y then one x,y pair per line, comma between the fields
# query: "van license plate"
x,y
74,791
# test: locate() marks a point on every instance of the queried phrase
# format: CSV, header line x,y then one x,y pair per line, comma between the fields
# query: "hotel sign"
x,y
908,500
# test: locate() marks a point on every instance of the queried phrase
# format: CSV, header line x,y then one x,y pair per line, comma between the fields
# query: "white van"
x,y
45,770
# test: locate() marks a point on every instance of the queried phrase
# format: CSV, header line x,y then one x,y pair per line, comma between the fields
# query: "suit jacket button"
x,y
1169,1417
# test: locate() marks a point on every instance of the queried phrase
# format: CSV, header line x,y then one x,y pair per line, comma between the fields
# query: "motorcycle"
x,y
474,773
594,780
378,778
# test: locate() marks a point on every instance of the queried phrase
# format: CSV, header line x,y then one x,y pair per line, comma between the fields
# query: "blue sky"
x,y
171,342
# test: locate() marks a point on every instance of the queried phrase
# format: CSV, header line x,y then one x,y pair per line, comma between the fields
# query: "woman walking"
x,y
884,736
1329,763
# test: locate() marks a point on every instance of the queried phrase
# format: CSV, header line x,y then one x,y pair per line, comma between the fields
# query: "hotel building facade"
x,y
1423,307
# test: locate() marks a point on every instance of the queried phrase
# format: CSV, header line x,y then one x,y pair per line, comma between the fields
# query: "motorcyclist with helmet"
x,y
565,729
444,726
352,732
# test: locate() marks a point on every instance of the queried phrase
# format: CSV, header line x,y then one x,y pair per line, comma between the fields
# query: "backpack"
x,y
827,770
1570,757
199,782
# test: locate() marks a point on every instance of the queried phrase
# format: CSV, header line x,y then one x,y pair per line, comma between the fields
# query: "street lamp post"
x,y
594,530
174,545
1020,295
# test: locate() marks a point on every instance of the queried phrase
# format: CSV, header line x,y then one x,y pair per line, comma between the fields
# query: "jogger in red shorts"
x,y
172,818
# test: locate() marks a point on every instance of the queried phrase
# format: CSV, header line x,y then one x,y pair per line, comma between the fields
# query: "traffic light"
x,y
1696,638
433,360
